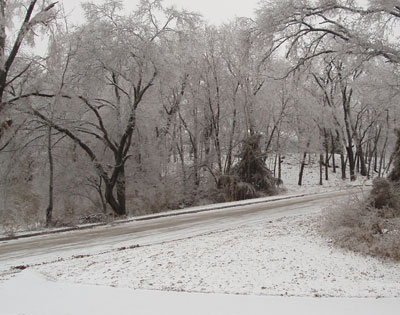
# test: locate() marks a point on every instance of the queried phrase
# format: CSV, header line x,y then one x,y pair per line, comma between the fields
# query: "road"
x,y
111,237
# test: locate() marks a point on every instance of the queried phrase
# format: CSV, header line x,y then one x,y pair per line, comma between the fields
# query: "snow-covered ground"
x,y
277,265
31,293
310,183
282,257
281,265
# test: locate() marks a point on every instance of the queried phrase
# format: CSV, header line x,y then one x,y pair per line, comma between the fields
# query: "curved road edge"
x,y
197,209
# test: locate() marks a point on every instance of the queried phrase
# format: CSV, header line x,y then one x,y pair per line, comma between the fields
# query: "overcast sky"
x,y
215,11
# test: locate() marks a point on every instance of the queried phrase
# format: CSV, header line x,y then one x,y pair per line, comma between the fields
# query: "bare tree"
x,y
123,67
9,51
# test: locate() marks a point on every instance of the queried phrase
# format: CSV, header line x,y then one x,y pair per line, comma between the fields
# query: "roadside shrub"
x,y
359,226
227,180
371,225
251,167
384,195
21,208
394,175
244,191
233,189
249,178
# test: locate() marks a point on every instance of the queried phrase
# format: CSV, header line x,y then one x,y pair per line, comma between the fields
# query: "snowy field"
x,y
283,257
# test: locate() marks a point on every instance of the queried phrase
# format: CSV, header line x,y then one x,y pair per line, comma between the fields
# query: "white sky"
x,y
214,11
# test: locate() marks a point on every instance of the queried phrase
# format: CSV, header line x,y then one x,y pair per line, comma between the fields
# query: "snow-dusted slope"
x,y
276,257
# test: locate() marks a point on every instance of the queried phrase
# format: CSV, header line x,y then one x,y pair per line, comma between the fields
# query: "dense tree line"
x,y
138,112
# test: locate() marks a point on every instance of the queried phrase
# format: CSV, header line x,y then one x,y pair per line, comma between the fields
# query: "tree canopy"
x,y
156,102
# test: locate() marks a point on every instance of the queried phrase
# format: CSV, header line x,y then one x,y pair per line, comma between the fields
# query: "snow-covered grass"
x,y
367,225
279,266
283,257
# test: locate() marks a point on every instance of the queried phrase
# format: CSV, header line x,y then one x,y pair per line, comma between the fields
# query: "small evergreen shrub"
x,y
250,178
384,195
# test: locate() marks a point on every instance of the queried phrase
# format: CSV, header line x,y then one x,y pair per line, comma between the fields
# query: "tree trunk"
x,y
369,155
229,161
381,163
280,167
99,190
121,191
181,153
346,101
357,163
196,168
343,166
333,163
350,156
3,73
326,156
114,204
49,210
389,163
361,159
382,157
321,161
303,163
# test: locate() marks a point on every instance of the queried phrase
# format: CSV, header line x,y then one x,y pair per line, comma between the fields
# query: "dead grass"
x,y
359,226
